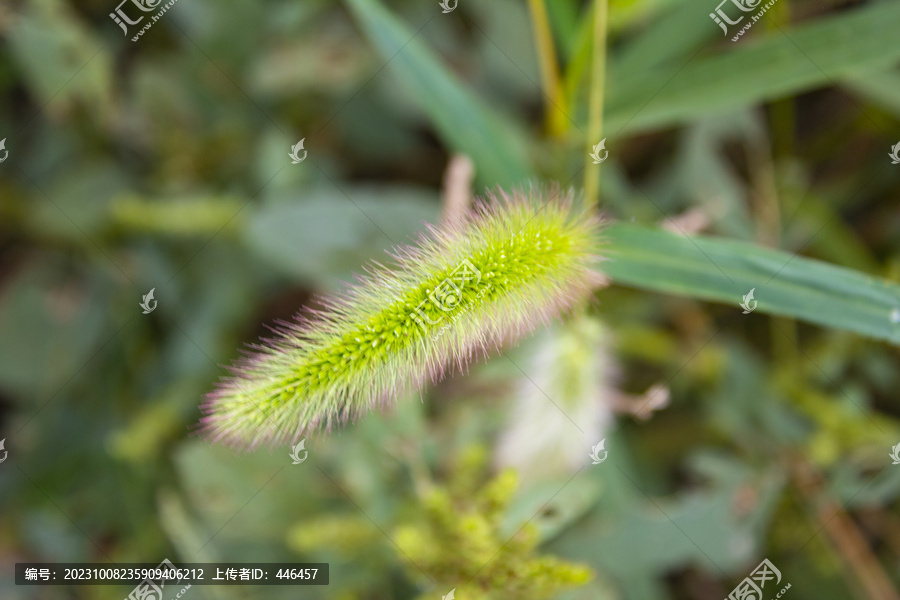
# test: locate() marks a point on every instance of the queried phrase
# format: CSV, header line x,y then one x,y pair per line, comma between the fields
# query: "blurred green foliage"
x,y
164,164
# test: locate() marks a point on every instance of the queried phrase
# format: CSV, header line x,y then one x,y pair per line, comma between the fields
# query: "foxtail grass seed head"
x,y
455,295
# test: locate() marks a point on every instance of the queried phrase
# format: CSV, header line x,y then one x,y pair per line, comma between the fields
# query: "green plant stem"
x,y
782,115
767,214
598,90
781,111
557,123
579,60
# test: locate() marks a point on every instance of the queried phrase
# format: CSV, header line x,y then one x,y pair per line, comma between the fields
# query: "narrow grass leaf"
x,y
785,284
466,123
776,65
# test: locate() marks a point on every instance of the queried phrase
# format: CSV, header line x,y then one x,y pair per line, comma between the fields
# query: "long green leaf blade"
x,y
785,284
778,65
461,118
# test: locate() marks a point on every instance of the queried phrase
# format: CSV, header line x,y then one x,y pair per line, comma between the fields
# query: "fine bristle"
x,y
454,296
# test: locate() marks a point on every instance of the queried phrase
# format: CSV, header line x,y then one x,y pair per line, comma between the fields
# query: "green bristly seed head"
x,y
458,541
457,294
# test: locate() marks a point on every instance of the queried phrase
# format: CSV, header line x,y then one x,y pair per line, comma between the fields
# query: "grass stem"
x,y
557,121
598,90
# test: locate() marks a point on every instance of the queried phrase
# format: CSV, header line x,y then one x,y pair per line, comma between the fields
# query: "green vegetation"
x,y
729,437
